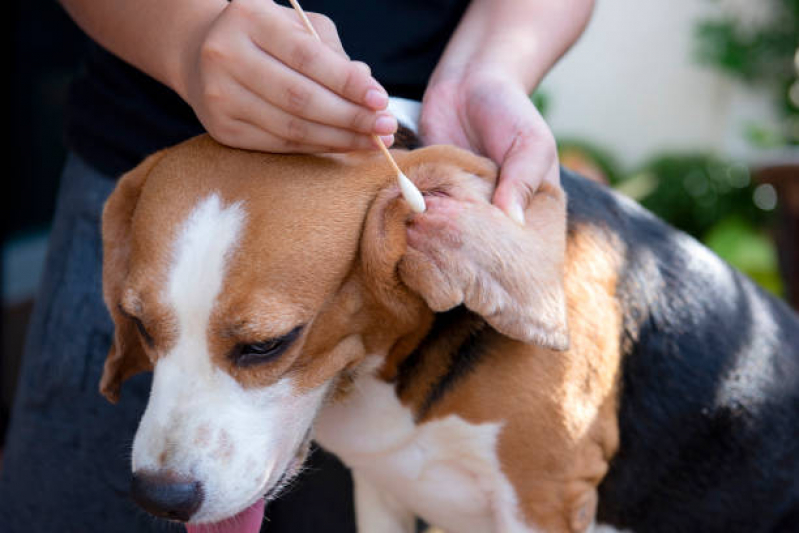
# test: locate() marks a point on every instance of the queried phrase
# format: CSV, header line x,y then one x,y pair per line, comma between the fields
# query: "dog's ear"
x,y
464,250
126,356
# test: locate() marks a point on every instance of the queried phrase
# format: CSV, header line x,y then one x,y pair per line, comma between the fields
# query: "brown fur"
x,y
560,421
126,356
329,244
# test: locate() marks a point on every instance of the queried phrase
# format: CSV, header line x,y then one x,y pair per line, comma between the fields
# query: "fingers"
x,y
251,137
320,63
519,179
281,34
440,121
258,66
494,116
327,31
531,159
297,130
296,94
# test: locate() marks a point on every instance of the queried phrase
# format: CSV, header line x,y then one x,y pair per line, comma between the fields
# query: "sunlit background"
x,y
689,106
692,108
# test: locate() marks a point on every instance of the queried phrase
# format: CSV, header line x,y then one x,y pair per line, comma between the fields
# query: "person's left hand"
x,y
492,115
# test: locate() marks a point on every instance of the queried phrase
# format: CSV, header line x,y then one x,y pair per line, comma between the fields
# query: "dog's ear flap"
x,y
126,356
464,250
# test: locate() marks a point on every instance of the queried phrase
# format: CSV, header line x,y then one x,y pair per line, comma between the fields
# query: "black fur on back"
x,y
709,397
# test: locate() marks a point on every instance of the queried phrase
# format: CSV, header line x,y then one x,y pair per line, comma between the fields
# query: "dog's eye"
x,y
146,337
143,331
244,355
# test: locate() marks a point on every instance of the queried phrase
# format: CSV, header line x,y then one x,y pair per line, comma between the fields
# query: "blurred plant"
x,y
713,199
757,42
589,160
716,201
541,101
749,249
695,191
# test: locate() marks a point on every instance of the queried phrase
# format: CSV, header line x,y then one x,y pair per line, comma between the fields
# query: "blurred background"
x,y
692,108
689,106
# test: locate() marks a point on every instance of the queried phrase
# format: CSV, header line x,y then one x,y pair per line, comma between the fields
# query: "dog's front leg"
x,y
379,512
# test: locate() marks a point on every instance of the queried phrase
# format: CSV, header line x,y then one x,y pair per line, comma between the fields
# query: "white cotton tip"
x,y
411,194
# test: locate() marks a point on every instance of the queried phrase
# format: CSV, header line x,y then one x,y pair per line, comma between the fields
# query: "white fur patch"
x,y
200,255
445,471
199,422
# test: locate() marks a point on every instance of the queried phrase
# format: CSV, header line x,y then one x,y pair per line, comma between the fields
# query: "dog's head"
x,y
254,285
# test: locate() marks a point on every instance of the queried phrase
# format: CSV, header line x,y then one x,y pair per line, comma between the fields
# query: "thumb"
x,y
521,173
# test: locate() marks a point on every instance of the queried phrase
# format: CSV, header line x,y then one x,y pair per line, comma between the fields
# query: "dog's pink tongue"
x,y
247,521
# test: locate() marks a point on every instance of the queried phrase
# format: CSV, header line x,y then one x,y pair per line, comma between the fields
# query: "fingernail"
x,y
516,213
377,99
385,124
388,140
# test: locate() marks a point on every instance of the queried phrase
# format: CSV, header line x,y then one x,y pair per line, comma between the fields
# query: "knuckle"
x,y
322,23
296,130
542,140
548,139
361,142
224,131
361,121
214,95
302,55
364,69
297,98
289,146
549,146
243,8
213,51
353,80
348,140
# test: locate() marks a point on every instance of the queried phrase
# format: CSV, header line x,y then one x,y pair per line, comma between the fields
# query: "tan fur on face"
x,y
303,218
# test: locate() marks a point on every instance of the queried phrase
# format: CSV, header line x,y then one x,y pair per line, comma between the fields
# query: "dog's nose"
x,y
166,495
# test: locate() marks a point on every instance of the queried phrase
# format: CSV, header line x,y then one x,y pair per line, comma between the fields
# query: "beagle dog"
x,y
593,369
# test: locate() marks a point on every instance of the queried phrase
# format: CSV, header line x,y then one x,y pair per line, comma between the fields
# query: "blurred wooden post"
x,y
785,179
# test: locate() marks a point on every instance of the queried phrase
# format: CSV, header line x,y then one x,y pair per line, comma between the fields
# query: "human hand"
x,y
257,79
490,113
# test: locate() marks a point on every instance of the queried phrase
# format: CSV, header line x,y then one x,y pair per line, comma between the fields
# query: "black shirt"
x,y
118,115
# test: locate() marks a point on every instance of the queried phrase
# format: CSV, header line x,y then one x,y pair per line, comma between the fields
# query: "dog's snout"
x,y
166,495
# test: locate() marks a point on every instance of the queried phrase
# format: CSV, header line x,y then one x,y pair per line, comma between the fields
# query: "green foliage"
x,y
695,191
760,55
708,196
602,159
711,198
541,101
747,248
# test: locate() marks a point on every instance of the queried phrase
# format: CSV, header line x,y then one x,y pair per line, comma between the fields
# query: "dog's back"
x,y
709,396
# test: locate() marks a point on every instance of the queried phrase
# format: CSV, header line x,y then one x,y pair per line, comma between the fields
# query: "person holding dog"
x,y
249,74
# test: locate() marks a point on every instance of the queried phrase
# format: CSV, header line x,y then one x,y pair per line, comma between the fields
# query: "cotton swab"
x,y
409,191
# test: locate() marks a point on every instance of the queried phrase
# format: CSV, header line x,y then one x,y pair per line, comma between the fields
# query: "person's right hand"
x,y
257,79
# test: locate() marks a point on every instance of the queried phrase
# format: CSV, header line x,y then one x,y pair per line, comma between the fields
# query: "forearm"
x,y
519,38
151,35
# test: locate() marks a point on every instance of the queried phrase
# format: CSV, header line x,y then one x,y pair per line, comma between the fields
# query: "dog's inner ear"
x,y
464,250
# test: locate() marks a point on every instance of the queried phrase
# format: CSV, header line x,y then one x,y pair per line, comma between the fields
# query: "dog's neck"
x,y
454,344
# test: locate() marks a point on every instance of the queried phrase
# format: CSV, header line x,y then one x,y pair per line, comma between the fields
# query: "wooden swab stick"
x,y
410,192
